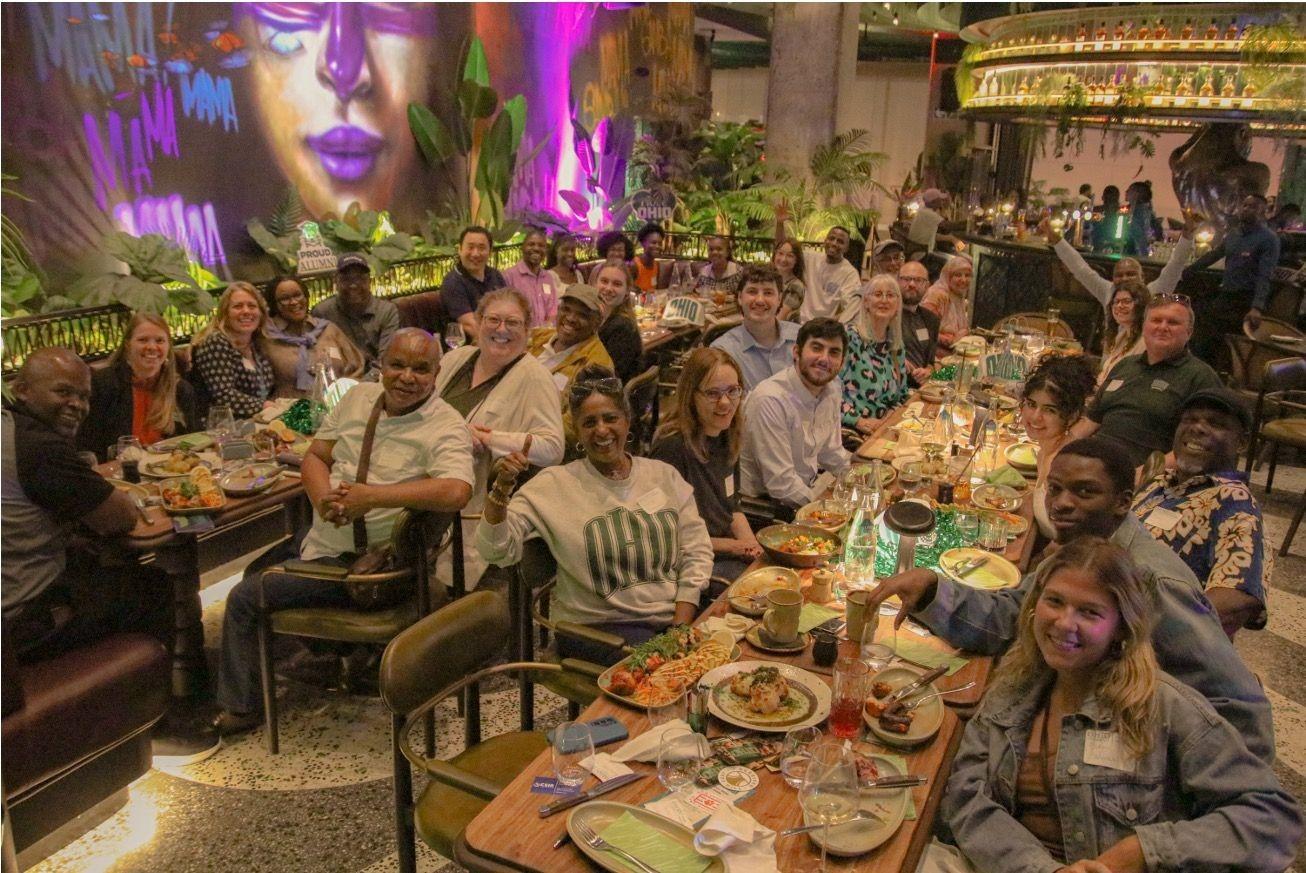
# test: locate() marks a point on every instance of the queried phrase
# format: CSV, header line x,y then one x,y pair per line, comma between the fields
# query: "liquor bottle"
x,y
1208,89
1187,32
1162,32
1119,32
1082,34
1101,32
1227,89
1232,33
1185,87
1249,90
1213,31
1023,88
1143,31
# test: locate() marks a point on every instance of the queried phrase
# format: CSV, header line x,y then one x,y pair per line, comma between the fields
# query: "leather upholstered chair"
x,y
417,538
440,656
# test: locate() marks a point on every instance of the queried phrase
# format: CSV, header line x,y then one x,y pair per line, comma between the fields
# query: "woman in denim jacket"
x,y
1085,757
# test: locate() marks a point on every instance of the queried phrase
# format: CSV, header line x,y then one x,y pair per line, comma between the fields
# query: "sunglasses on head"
x,y
1181,299
606,385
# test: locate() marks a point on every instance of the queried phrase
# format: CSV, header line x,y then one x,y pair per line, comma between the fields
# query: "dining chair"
x,y
642,398
1283,390
440,656
417,538
1035,321
714,332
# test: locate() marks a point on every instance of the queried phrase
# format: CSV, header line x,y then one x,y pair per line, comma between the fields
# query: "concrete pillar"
x,y
813,65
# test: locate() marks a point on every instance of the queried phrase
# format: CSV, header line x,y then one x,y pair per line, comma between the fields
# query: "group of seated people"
x,y
1118,644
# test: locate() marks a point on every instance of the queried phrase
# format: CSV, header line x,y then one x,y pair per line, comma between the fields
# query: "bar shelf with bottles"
x,y
1175,29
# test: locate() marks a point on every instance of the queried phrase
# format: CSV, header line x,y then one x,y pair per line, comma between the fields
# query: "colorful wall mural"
x,y
187,119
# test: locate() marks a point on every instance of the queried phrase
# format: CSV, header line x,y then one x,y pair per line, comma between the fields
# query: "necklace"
x,y
616,474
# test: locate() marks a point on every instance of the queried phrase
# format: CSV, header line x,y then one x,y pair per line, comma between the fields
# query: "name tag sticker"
x,y
1106,749
1162,518
730,485
923,334
1160,385
653,500
1114,384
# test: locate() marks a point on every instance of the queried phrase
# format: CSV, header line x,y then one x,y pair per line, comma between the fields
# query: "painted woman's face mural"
x,y
332,83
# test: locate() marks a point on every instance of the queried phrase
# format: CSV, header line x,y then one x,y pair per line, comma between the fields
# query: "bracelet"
x,y
497,499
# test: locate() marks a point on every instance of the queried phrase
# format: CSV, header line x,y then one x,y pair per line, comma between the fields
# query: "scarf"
x,y
303,372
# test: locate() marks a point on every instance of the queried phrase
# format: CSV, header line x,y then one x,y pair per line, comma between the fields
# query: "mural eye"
x,y
285,43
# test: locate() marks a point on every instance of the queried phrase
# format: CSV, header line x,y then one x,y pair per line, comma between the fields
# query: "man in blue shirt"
x,y
1250,251
1204,510
762,345
470,280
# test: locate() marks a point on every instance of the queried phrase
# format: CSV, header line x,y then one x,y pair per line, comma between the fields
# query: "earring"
x,y
580,449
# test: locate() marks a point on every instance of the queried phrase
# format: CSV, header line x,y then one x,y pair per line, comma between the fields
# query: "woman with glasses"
x,y
1085,756
619,331
297,341
505,396
1124,325
700,439
875,372
633,554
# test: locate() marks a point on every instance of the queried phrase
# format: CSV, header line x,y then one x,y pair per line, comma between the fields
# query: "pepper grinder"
x,y
910,520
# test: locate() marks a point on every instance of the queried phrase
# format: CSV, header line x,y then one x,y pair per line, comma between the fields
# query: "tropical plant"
x,y
949,163
369,233
481,142
159,275
21,282
602,158
278,236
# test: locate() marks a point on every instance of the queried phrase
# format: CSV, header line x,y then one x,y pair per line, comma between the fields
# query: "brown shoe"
x,y
229,724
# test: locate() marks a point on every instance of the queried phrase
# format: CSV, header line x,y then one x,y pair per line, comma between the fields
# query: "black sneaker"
x,y
229,724
173,748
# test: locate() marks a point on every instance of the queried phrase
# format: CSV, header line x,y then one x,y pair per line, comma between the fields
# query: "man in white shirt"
x,y
792,421
762,345
924,228
833,285
421,458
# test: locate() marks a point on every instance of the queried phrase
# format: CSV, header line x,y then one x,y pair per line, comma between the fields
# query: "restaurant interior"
x,y
653,436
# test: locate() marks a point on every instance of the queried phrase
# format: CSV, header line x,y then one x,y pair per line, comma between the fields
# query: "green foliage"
x,y
159,276
370,233
949,163
1275,55
22,285
278,236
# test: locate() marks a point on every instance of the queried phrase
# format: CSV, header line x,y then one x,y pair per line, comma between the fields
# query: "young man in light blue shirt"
x,y
762,345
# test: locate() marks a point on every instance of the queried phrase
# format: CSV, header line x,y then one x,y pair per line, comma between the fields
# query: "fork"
x,y
594,841
912,704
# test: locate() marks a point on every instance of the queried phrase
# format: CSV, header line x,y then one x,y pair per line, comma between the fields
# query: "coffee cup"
x,y
857,613
781,618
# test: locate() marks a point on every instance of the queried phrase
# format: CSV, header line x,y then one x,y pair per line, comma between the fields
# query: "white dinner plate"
x,y
809,694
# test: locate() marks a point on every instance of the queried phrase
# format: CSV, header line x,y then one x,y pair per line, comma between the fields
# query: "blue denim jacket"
x,y
1198,801
1188,640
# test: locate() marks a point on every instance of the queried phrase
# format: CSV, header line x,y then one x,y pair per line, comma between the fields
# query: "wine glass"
x,y
1034,344
679,760
454,337
830,793
221,423
572,744
795,753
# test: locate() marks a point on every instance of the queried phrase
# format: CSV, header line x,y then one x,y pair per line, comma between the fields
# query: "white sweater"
x,y
1104,289
626,550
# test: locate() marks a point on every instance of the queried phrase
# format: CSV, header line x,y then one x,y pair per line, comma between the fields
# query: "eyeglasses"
x,y
716,395
885,295
606,385
1181,299
917,280
494,322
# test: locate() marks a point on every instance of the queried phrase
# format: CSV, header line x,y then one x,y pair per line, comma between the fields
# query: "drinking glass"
x,y
222,423
912,479
572,744
967,526
1034,344
877,656
265,446
663,713
849,697
454,337
830,793
993,532
678,761
795,753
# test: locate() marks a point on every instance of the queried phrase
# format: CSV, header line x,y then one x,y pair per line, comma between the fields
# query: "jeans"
x,y
632,632
239,682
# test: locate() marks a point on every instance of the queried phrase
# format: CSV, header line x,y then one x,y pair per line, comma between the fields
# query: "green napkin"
x,y
901,764
812,615
1006,475
925,656
193,441
652,846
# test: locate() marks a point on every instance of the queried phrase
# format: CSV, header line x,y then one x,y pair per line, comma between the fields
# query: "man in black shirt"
x,y
920,327
55,600
470,280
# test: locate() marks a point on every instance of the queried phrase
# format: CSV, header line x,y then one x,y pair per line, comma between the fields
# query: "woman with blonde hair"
x,y
140,392
230,363
700,438
875,371
948,298
1086,757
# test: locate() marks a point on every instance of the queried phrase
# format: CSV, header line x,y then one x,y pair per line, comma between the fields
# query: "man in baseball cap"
x,y
1203,508
368,321
888,256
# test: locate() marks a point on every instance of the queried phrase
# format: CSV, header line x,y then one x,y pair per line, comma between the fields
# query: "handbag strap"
x,y
365,461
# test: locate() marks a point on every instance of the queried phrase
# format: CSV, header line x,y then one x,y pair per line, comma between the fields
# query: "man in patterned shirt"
x,y
1204,510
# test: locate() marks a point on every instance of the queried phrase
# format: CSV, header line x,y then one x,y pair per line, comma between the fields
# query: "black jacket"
x,y
111,409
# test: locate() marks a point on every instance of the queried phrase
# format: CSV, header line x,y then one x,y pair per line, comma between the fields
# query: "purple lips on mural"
x,y
347,152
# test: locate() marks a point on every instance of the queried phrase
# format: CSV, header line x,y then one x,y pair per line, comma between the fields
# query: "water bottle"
x,y
318,400
859,545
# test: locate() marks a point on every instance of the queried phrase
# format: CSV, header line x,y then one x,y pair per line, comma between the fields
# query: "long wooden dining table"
x,y
509,832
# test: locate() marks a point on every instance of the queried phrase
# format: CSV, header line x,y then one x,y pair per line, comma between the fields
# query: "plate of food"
x,y
178,462
249,479
1022,456
288,439
1016,524
932,391
993,574
899,726
970,346
1003,498
902,459
193,494
748,594
135,491
888,805
767,696
661,669
797,545
598,815
828,515
189,442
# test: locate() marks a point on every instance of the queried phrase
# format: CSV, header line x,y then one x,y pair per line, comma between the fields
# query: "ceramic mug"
x,y
781,619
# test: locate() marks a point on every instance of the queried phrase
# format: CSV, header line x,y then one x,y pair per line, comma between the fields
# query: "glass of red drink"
x,y
850,678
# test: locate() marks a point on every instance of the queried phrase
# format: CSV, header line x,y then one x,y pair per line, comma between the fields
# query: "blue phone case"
x,y
604,730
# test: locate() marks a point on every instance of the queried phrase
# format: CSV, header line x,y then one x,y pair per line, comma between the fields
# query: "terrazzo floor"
x,y
325,804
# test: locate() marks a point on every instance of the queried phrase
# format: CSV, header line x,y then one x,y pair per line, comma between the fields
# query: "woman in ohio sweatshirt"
x,y
633,554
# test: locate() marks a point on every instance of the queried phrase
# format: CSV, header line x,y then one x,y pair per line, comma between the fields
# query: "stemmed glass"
x,y
222,423
679,761
454,337
796,752
830,793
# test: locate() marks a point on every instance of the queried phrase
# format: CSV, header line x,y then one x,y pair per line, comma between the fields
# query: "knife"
x,y
602,788
907,781
975,565
896,698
